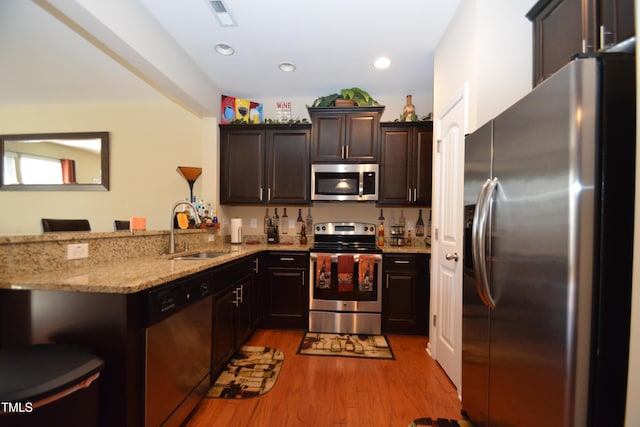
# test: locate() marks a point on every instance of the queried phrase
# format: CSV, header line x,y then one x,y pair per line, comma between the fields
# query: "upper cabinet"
x,y
345,135
564,28
405,168
262,164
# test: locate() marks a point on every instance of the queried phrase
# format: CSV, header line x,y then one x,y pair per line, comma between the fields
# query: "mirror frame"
x,y
104,162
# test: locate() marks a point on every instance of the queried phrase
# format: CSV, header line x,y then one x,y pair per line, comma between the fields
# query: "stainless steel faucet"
x,y
172,241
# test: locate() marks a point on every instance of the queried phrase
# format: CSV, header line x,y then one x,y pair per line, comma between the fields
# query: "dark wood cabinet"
x,y
564,28
345,135
287,281
262,164
406,163
233,310
405,294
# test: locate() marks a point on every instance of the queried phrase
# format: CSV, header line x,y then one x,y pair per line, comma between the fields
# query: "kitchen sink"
x,y
199,256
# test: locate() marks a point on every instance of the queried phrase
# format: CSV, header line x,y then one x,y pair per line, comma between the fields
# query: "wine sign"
x,y
233,109
283,111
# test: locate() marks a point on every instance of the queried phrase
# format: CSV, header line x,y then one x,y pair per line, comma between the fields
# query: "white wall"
x,y
148,141
488,45
633,386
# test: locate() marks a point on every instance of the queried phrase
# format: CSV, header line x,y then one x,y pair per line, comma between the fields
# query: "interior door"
x,y
447,239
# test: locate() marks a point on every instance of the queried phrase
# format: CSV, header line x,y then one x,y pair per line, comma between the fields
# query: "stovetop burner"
x,y
345,237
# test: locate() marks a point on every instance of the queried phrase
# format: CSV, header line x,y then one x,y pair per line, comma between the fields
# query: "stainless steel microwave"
x,y
344,181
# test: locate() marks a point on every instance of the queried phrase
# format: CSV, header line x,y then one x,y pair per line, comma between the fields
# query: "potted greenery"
x,y
346,98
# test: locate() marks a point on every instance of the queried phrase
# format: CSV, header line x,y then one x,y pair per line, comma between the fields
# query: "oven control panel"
x,y
345,228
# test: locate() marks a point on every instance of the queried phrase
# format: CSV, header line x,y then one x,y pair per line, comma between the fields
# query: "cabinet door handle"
x,y
241,294
256,266
409,195
303,280
387,280
342,152
286,259
269,194
401,261
347,149
236,300
415,194
260,193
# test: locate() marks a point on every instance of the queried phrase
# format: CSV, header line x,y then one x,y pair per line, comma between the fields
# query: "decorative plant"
x,y
360,97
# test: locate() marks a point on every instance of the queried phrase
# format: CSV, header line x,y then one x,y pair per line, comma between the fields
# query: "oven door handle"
x,y
334,256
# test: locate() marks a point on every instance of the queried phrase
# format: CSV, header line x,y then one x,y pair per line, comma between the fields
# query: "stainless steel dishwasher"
x,y
178,349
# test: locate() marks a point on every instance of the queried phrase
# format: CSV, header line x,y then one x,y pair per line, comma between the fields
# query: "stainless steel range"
x,y
345,295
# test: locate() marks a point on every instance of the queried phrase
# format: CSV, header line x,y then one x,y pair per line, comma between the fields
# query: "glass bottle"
x,y
285,222
267,220
276,220
299,222
309,221
303,235
419,224
381,229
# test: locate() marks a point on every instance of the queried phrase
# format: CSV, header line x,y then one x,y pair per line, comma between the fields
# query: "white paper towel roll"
x,y
236,230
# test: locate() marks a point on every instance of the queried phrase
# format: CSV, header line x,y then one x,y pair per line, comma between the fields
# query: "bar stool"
x,y
49,384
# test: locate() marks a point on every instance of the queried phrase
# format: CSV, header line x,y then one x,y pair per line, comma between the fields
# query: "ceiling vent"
x,y
221,12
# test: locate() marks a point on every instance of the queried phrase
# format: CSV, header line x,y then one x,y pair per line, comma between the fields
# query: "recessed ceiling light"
x,y
382,63
224,49
287,67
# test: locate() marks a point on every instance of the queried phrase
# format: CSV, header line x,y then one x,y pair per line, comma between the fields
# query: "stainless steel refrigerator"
x,y
548,249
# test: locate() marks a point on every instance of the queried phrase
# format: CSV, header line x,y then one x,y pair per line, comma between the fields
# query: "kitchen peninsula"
x,y
103,302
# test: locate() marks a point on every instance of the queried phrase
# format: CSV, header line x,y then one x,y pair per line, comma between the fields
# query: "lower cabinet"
x,y
288,291
405,294
233,316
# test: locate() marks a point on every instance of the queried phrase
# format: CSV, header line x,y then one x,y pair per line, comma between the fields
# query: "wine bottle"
x,y
309,221
419,225
285,222
299,222
276,220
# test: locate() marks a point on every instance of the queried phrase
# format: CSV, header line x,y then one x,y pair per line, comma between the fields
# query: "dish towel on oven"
x,y
323,271
365,273
345,273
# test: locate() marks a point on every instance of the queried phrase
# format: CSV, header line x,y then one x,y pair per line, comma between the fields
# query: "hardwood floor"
x,y
317,391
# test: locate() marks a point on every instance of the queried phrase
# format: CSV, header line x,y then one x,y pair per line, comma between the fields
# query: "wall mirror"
x,y
55,161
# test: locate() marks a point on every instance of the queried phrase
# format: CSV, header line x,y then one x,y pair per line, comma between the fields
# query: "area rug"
x,y
349,345
439,422
251,372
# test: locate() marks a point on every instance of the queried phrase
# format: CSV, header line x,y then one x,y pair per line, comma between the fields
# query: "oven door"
x,y
347,282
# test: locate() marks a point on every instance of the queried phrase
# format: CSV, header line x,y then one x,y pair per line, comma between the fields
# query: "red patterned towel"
x,y
323,271
365,273
345,273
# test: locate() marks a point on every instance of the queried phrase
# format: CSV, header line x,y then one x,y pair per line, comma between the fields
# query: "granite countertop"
x,y
138,274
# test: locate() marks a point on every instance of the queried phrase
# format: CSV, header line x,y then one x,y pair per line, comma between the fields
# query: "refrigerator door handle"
x,y
479,239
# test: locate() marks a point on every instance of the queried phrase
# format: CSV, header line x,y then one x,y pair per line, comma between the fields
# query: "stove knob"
x,y
324,228
317,228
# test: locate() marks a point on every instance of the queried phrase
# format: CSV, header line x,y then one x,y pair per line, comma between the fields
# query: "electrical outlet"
x,y
253,223
78,250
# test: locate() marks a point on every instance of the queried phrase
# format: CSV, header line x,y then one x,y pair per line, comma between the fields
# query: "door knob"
x,y
451,256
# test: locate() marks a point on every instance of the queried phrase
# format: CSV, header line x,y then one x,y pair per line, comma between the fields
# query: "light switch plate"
x,y
78,250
